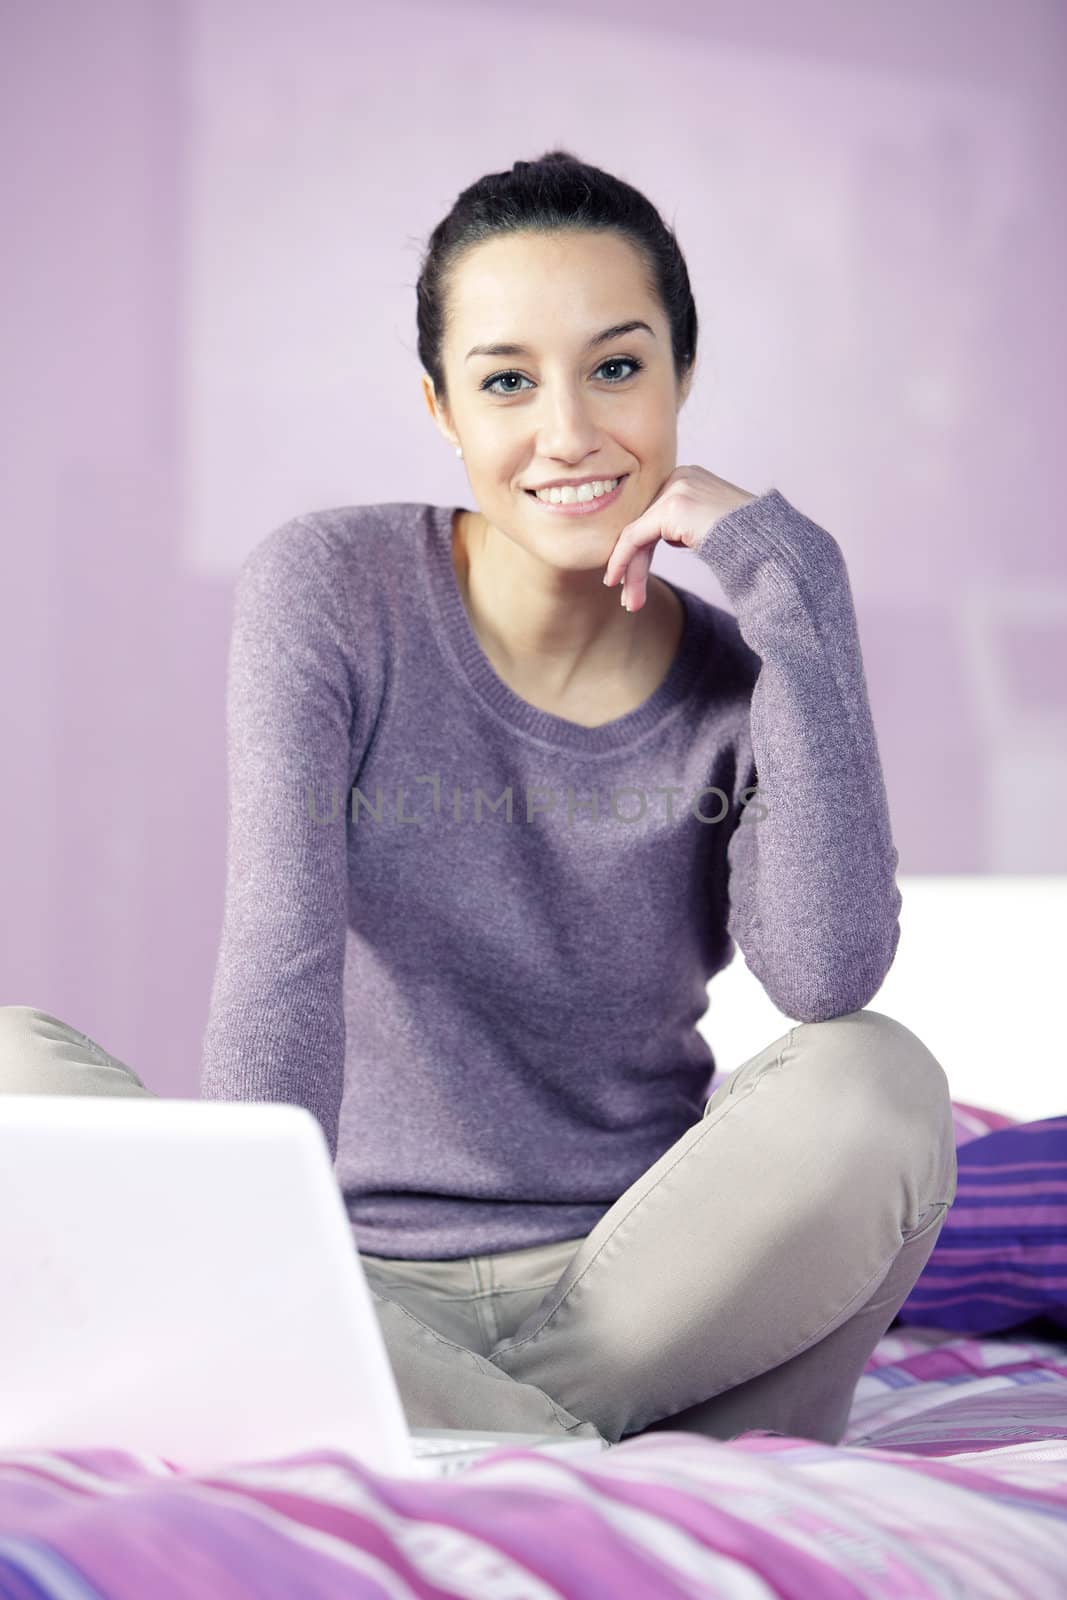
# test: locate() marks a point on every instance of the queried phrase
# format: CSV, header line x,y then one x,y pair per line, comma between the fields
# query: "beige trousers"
x,y
741,1282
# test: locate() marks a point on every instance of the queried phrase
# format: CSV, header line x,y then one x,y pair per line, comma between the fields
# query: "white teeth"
x,y
585,491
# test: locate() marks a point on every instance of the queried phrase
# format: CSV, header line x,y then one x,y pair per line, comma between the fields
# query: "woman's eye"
x,y
613,361
489,382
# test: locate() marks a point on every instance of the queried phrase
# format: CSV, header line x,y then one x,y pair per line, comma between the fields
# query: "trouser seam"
x,y
482,1299
474,1294
473,1358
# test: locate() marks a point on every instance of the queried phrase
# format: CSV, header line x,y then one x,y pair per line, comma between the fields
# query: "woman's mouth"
x,y
579,508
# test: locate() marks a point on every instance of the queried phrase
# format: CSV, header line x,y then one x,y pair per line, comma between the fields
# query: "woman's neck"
x,y
557,637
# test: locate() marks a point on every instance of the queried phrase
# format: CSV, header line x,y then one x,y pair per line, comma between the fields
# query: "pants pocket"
x,y
930,1217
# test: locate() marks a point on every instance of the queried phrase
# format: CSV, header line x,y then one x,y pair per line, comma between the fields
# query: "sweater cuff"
x,y
768,542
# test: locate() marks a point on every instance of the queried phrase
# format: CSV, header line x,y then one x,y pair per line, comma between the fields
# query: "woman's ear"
x,y
441,421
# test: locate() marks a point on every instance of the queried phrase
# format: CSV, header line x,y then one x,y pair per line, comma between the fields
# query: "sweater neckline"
x,y
474,664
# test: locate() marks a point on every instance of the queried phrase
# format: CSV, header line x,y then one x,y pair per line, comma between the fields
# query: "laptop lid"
x,y
180,1278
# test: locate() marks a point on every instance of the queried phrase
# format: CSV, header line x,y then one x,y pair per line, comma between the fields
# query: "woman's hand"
x,y
690,502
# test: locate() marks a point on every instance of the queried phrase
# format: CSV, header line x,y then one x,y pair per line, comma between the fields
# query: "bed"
x,y
951,1478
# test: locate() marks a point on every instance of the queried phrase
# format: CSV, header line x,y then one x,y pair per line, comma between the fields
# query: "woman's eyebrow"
x,y
614,332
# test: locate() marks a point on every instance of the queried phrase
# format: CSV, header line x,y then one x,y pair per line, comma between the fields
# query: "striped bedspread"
x,y
951,1481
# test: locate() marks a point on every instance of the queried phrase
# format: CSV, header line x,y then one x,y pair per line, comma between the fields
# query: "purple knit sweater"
x,y
473,938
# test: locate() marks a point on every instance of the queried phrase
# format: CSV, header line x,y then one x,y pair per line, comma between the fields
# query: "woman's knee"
x,y
42,1054
895,1088
29,1028
20,1034
885,1056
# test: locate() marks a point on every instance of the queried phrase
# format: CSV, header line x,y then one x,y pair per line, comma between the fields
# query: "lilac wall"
x,y
213,215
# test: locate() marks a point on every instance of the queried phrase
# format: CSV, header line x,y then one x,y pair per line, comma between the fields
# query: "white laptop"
x,y
179,1278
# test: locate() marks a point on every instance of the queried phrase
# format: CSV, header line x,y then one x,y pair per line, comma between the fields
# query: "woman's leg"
x,y
442,1383
40,1054
440,1319
744,1279
476,1301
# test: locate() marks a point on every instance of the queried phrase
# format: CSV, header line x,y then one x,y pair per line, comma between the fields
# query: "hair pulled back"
x,y
556,192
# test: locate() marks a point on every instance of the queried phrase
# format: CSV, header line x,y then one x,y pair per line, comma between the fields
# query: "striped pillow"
x,y
1001,1256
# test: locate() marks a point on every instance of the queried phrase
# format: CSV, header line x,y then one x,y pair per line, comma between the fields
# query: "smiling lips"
x,y
576,503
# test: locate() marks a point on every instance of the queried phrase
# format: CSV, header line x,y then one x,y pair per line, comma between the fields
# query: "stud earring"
x,y
459,452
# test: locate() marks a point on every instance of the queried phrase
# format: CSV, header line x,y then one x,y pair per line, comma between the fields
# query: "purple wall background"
x,y
213,215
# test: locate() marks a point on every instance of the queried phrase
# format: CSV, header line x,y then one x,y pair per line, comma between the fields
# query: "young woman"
x,y
491,835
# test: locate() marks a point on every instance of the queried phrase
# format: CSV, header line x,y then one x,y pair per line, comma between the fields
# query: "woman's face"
x,y
562,407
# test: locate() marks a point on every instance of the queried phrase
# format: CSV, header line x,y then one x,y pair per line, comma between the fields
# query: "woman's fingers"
x,y
635,578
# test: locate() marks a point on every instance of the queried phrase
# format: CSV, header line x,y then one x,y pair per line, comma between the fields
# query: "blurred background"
x,y
213,217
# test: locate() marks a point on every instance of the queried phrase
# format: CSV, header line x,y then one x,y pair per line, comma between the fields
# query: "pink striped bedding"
x,y
951,1481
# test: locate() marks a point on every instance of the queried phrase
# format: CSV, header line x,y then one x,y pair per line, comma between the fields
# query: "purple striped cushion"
x,y
972,1121
1001,1257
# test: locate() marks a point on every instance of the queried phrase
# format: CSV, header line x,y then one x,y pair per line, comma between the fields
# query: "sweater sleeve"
x,y
276,1028
813,900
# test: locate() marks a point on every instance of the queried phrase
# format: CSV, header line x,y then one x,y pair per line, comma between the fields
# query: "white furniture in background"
x,y
978,976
